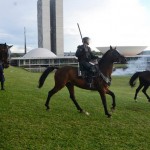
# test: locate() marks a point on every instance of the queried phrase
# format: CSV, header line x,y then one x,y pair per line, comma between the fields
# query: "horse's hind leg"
x,y
50,94
144,91
137,90
72,96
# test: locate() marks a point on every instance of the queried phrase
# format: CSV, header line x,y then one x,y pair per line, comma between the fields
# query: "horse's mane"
x,y
103,57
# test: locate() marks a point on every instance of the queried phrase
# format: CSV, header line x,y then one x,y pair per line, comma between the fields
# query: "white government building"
x,y
37,59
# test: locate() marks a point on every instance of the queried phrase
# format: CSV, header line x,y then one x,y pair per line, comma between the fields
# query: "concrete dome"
x,y
39,53
125,50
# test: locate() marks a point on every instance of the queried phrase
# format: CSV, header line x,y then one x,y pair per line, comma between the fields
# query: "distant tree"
x,y
17,54
98,53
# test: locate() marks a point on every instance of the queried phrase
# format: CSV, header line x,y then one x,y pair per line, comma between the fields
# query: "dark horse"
x,y
144,78
4,61
68,76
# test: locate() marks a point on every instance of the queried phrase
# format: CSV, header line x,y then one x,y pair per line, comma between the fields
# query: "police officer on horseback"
x,y
85,55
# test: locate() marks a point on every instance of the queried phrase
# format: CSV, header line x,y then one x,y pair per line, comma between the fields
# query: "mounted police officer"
x,y
85,55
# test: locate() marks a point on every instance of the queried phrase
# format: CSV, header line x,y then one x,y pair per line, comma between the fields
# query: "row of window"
x,y
47,61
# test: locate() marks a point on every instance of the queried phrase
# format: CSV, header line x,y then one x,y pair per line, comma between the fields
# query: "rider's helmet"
x,y
86,40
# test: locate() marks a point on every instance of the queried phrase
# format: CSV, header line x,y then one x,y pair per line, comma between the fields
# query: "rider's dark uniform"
x,y
85,55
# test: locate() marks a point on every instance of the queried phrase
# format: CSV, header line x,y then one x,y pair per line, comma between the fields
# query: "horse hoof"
x,y
108,115
112,109
85,112
47,107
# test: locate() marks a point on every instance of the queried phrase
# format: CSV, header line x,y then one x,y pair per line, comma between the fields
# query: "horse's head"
x,y
113,56
5,54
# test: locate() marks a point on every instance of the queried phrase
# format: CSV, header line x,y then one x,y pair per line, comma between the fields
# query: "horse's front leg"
x,y
103,97
113,99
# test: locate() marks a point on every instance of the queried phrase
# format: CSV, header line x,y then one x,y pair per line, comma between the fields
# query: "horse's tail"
x,y
44,75
133,78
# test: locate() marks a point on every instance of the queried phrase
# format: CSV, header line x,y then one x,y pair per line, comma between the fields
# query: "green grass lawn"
x,y
25,124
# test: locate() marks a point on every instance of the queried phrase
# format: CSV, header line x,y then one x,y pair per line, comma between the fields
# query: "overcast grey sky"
x,y
106,22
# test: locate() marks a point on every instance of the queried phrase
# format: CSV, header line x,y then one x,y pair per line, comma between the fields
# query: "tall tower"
x,y
57,39
25,43
50,25
44,29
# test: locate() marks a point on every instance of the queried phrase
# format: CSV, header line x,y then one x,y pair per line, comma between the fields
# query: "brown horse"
x,y
144,78
68,76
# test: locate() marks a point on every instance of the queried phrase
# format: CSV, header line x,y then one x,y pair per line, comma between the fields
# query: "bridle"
x,y
100,74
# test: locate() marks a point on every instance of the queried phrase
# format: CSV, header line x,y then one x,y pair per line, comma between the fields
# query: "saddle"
x,y
89,75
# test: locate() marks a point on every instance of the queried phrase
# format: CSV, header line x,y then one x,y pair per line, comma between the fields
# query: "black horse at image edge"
x,y
144,81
